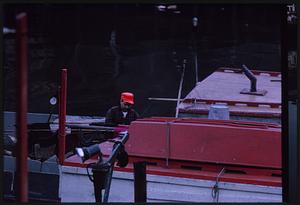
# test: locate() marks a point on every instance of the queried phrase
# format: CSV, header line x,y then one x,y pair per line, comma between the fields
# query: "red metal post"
x,y
62,115
21,117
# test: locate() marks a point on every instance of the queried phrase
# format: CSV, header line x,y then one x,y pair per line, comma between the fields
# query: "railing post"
x,y
21,118
180,88
62,116
140,182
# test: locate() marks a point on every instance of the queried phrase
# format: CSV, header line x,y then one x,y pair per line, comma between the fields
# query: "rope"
x,y
215,190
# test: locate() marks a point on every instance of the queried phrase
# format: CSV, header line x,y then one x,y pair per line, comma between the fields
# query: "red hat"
x,y
127,97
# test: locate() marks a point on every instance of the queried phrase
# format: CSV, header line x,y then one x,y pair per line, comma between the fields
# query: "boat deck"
x,y
225,86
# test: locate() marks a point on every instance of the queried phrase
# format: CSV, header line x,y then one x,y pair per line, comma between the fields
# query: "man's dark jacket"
x,y
114,116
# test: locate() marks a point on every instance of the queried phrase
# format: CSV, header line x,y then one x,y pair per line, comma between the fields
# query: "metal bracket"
x,y
257,92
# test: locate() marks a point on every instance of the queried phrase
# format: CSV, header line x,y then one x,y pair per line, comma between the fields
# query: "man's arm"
x,y
109,117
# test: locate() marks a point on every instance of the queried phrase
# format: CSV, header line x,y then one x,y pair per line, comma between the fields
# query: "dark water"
x,y
135,47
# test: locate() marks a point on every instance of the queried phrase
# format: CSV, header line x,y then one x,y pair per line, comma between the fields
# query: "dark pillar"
x,y
140,182
21,120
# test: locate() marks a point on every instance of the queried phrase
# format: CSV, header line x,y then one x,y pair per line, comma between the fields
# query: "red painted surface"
x,y
21,119
250,152
208,172
234,123
201,140
62,115
208,175
226,145
148,139
189,165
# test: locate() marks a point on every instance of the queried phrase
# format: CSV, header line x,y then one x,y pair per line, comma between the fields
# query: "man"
x,y
122,114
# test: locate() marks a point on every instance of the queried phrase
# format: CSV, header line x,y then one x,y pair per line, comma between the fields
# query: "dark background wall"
x,y
145,57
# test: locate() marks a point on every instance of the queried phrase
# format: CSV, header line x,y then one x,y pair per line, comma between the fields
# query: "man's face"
x,y
125,105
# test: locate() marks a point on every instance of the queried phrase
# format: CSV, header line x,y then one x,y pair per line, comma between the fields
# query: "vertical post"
x,y
62,116
100,177
196,66
21,118
1,104
287,193
180,88
297,146
107,184
140,186
195,29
